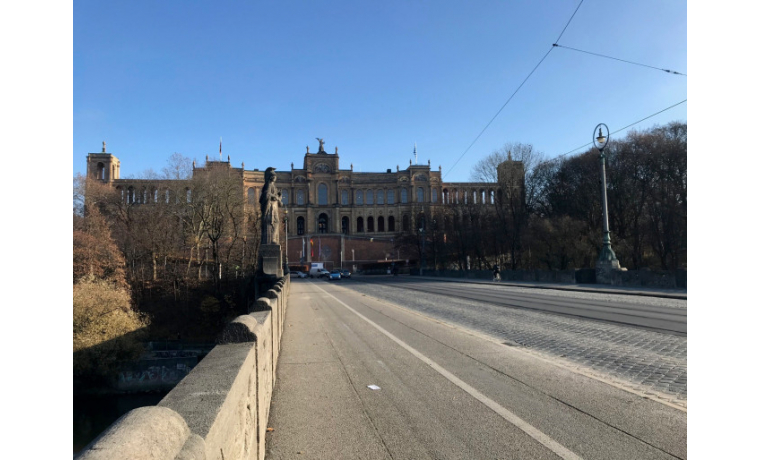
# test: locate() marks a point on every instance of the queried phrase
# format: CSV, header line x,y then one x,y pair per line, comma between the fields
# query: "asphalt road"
x,y
667,320
362,377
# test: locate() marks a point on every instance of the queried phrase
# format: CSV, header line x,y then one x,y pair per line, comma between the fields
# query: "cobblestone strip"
x,y
644,361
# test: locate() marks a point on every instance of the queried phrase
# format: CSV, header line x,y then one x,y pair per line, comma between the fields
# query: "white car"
x,y
301,274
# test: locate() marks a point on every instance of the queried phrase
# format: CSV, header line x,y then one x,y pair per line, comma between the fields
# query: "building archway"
x,y
322,223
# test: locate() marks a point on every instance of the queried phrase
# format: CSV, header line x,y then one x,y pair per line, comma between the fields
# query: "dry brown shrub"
x,y
105,327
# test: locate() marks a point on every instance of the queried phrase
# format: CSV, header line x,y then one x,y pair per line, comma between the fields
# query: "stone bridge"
x,y
220,410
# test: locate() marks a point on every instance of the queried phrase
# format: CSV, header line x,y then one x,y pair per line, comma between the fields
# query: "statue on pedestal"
x,y
270,201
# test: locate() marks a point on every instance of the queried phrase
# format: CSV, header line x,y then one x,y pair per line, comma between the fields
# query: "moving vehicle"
x,y
345,273
300,274
316,269
333,275
321,273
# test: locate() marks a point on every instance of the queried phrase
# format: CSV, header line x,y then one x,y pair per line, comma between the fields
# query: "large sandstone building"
x,y
339,216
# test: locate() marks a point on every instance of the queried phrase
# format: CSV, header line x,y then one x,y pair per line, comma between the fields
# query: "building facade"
x,y
328,203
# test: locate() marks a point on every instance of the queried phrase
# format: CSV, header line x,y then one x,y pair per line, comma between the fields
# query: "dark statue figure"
x,y
270,200
321,145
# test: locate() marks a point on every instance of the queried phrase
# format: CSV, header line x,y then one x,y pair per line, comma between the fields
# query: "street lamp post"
x,y
287,265
607,260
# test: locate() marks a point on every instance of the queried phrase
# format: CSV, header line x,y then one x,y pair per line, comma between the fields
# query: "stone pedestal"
x,y
270,268
270,260
605,270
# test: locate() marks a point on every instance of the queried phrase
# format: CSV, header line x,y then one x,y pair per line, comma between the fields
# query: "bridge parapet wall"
x,y
220,410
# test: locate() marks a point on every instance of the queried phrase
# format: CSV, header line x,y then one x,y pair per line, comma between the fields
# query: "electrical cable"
x,y
621,129
513,94
568,22
621,60
497,114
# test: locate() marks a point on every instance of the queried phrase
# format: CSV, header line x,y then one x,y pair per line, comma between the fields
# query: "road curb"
x,y
664,295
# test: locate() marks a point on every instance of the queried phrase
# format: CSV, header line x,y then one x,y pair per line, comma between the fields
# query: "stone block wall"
x,y
220,410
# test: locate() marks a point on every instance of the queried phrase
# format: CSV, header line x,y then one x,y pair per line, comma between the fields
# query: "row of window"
x,y
130,195
322,224
361,197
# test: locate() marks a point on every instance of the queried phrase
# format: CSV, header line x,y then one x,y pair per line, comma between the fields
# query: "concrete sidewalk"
x,y
597,288
316,412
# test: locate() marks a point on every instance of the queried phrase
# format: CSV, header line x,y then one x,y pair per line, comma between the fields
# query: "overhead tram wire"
x,y
497,113
568,22
621,129
513,94
621,60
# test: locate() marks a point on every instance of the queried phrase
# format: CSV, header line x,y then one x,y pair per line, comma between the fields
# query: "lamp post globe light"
x,y
607,260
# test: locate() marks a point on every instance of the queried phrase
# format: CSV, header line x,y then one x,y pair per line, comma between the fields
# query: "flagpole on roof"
x,y
220,148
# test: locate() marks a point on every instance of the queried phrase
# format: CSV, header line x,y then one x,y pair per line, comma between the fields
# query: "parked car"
x,y
300,274
333,275
345,273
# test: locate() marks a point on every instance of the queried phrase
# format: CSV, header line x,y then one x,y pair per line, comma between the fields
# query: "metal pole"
x,y
606,244
287,264
422,261
606,255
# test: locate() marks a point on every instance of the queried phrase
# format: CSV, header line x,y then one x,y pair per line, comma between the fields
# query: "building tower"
x,y
103,166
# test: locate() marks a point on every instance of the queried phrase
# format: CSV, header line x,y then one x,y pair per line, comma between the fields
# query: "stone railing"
x,y
220,410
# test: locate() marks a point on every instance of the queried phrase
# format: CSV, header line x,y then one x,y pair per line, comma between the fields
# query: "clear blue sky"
x,y
373,78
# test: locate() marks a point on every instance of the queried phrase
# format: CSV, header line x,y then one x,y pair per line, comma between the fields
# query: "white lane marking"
x,y
529,429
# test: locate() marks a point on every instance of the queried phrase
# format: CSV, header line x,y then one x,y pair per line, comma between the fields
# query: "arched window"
x,y
370,224
421,221
370,200
391,197
300,225
491,194
189,195
101,172
344,197
131,195
420,195
359,197
380,224
251,195
359,225
322,194
446,197
434,195
405,223
299,197
344,225
404,198
391,224
285,197
322,223
380,197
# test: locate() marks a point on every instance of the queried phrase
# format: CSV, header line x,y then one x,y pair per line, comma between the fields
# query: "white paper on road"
x,y
373,387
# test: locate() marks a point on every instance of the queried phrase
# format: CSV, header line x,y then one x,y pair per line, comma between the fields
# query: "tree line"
x,y
173,264
555,221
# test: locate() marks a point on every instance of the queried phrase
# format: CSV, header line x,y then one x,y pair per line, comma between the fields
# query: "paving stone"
x,y
646,360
